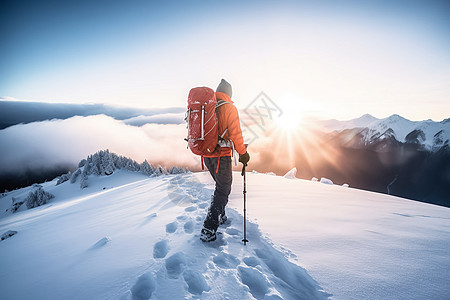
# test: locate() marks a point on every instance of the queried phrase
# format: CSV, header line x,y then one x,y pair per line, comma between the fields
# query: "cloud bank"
x,y
40,145
169,118
13,112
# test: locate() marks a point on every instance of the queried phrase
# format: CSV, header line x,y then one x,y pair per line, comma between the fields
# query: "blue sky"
x,y
334,59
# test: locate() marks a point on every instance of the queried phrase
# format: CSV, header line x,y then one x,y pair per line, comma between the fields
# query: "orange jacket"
x,y
228,117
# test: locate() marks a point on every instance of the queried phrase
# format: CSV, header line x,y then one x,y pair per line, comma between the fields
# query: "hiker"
x,y
219,162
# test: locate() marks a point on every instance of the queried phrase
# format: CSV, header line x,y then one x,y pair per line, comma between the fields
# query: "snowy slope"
x,y
429,133
127,236
356,244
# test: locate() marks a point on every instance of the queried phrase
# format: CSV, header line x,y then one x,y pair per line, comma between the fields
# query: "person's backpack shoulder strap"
x,y
220,103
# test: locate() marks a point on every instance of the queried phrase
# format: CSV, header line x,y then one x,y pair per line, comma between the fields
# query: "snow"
x,y
291,174
356,244
128,236
326,180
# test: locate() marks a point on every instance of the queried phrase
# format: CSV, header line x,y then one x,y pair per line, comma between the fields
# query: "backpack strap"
x,y
220,103
226,143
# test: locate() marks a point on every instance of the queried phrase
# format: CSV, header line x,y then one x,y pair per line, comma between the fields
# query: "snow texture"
x,y
113,243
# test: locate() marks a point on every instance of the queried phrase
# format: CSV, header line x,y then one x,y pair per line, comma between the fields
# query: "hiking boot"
x,y
208,235
223,218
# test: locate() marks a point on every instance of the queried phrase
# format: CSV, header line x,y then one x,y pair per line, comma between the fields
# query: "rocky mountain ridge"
x,y
369,131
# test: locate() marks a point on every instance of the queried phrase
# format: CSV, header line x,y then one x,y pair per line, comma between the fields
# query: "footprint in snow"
x,y
160,249
189,226
182,218
251,261
190,208
226,261
255,280
203,205
195,281
144,287
175,264
232,231
171,227
295,277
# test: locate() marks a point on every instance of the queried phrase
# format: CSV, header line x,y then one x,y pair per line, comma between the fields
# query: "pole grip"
x,y
243,166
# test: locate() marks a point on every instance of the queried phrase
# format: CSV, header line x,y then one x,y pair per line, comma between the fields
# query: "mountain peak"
x,y
367,118
396,118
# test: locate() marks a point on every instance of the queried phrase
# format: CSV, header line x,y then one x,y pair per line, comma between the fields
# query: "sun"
x,y
296,112
289,120
293,113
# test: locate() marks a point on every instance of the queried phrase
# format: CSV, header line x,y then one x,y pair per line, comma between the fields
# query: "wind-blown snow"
x,y
127,236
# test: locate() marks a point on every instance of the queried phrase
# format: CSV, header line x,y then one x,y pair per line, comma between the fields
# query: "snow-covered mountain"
x,y
131,236
429,134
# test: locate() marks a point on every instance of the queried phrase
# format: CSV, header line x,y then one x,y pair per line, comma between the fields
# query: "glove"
x,y
244,158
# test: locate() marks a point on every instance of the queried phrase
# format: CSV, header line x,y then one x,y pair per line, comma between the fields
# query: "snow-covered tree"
x,y
160,171
38,197
16,204
104,162
107,163
176,170
83,181
75,175
63,178
146,168
81,163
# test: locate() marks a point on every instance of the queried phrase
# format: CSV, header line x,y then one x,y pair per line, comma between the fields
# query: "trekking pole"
x,y
245,201
245,208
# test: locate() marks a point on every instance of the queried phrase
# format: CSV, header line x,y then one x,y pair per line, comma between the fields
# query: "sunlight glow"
x,y
295,111
289,120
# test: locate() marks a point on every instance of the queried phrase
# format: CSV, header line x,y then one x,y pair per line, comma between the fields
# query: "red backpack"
x,y
201,121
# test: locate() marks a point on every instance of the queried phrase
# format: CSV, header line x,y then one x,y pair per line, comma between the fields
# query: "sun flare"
x,y
289,120
294,112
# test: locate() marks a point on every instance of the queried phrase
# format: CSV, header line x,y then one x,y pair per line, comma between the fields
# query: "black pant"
x,y
223,179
